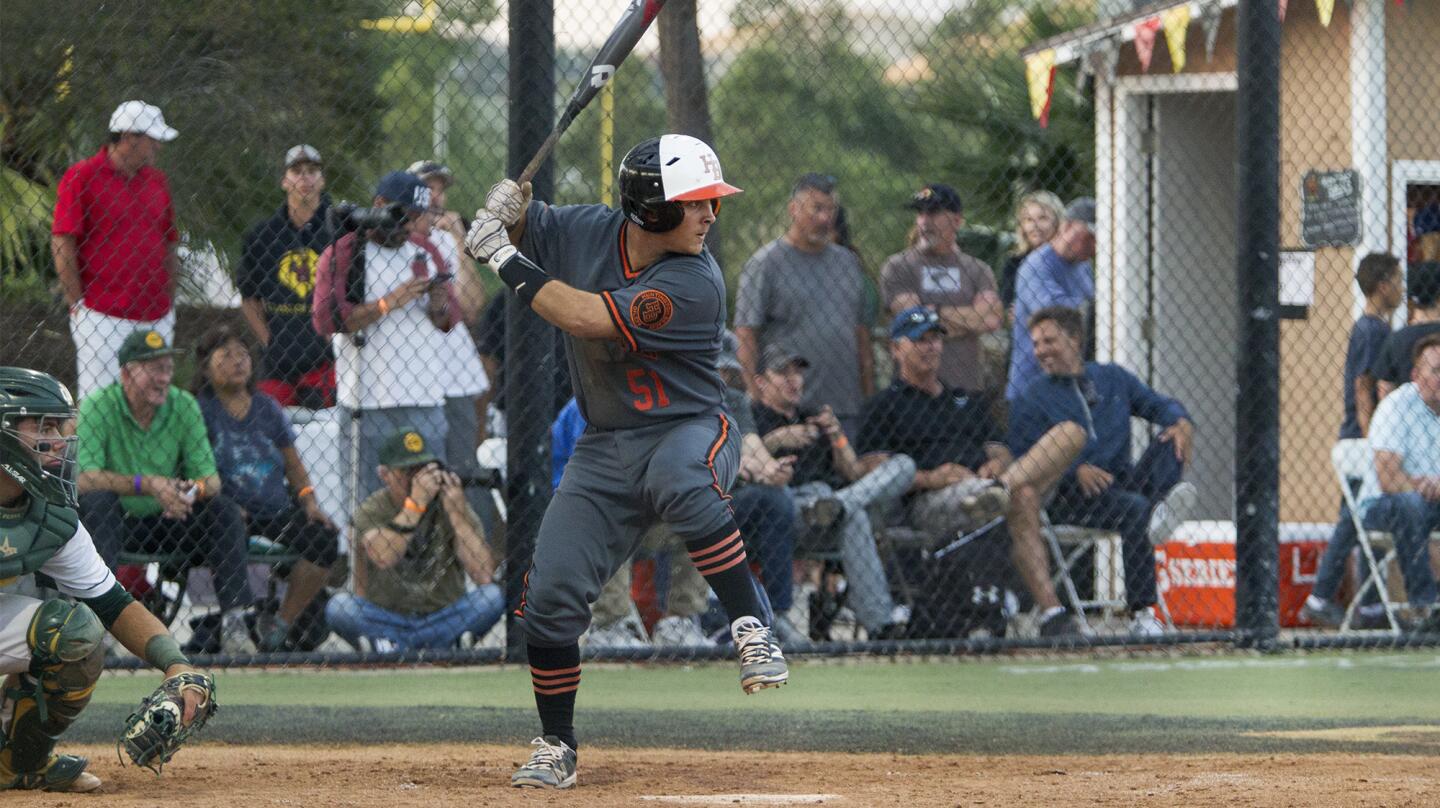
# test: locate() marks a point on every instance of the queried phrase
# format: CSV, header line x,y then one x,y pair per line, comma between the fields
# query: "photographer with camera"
x,y
383,293
417,543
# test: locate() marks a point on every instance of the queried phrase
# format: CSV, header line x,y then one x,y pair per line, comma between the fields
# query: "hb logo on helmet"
x,y
662,173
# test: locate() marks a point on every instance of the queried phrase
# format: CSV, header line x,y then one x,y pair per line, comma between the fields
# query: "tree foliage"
x,y
800,97
993,149
241,82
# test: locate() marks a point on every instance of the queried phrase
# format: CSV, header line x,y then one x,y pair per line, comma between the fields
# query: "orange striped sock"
x,y
555,675
720,557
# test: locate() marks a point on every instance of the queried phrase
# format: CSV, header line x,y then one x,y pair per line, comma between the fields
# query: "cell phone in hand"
x,y
442,277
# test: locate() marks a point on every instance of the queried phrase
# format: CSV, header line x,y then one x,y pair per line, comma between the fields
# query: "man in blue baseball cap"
x,y
386,288
965,474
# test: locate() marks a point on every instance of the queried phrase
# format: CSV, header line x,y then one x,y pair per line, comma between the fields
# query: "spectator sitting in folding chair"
x,y
148,481
1143,501
260,469
966,474
1401,492
832,486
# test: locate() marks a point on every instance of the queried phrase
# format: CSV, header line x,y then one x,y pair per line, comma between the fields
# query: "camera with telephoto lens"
x,y
347,217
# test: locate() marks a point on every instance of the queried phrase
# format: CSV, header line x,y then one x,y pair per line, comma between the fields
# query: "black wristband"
x,y
523,277
400,528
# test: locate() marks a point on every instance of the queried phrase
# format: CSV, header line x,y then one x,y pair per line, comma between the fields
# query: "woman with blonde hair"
x,y
1037,218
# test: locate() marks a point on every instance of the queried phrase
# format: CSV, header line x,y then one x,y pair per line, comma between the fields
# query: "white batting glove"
x,y
486,236
507,201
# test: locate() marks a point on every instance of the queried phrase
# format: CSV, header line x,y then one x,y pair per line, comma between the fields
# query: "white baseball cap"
x,y
138,116
304,153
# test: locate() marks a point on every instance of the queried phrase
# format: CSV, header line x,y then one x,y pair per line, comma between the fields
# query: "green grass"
x,y
1333,686
991,705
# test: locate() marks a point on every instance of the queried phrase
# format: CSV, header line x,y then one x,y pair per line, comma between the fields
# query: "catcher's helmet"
x,y
660,173
46,470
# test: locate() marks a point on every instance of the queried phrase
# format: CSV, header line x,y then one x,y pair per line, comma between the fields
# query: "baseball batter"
x,y
642,305
50,651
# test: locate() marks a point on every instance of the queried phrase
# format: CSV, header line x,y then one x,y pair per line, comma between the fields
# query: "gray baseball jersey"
x,y
670,316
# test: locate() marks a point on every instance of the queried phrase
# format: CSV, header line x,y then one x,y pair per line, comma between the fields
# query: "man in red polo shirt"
x,y
114,242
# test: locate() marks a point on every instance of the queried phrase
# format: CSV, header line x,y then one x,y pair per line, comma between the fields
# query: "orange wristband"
x,y
199,488
413,506
840,442
384,307
305,492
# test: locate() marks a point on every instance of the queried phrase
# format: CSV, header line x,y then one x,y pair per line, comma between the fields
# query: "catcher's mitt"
x,y
154,733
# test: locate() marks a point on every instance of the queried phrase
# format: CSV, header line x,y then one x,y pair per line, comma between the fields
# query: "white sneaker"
x,y
1144,623
676,631
1172,511
235,635
627,632
762,664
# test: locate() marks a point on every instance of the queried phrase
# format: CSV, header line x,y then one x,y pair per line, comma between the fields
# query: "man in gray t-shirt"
x,y
934,273
807,293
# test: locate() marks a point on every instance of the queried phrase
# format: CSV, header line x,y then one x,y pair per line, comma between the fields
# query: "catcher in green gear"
x,y
50,651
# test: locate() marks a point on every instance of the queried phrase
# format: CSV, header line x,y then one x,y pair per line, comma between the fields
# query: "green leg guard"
x,y
62,676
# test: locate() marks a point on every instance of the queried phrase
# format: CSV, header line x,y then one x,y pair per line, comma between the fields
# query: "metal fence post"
x,y
1257,403
528,345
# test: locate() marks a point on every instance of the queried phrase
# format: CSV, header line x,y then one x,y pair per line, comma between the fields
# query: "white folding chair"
x,y
1068,544
1351,458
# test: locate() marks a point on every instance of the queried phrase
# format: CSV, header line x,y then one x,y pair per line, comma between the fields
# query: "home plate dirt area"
x,y
221,775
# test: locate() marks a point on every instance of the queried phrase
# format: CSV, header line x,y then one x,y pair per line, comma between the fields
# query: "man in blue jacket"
x,y
1103,489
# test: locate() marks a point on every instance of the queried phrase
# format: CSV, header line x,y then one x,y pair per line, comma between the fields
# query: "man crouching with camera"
x,y
383,292
417,540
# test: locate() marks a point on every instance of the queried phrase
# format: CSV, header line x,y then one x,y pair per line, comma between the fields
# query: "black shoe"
x,y
1376,621
892,631
1061,624
1431,623
823,513
1330,615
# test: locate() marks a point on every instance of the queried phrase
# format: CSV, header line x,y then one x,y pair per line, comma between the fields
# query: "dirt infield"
x,y
451,775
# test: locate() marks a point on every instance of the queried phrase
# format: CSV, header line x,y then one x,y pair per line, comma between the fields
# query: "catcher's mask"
x,y
661,173
37,435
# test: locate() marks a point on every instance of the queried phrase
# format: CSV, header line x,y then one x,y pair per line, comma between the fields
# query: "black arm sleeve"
x,y
109,605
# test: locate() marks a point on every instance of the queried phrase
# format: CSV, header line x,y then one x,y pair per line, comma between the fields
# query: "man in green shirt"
x,y
148,481
417,542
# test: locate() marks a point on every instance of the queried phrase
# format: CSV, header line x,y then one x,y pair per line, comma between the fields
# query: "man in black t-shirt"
x,y
831,485
966,474
276,280
1392,366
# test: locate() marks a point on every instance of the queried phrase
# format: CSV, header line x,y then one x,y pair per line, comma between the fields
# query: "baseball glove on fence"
x,y
154,733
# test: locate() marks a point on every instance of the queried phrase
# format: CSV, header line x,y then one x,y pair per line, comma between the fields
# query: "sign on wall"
x,y
1330,209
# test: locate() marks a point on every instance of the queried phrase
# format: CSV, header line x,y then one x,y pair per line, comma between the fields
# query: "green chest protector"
x,y
29,539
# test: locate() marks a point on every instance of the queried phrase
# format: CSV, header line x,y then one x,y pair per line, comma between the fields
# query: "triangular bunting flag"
x,y
1326,8
1177,21
1040,78
1210,21
1282,10
1145,41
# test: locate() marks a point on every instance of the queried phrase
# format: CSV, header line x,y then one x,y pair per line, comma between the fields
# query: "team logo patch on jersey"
x,y
651,310
413,442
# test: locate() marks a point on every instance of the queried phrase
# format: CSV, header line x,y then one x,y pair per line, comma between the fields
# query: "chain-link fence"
x,y
950,211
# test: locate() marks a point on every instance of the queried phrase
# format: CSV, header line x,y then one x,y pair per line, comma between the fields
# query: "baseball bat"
x,y
637,17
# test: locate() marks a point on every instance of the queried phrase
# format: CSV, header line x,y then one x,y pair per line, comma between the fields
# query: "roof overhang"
x,y
1071,45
